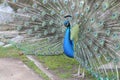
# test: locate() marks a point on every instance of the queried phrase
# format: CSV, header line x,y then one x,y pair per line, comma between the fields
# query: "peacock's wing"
x,y
41,23
97,48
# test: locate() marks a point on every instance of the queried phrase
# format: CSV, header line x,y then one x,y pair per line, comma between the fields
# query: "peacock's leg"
x,y
79,74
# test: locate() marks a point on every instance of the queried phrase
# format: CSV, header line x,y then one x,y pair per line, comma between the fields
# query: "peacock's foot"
x,y
81,75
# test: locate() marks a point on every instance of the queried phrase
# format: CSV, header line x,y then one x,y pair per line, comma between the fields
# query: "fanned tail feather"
x,y
98,47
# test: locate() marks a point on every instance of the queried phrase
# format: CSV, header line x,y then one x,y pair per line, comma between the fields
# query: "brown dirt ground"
x,y
14,69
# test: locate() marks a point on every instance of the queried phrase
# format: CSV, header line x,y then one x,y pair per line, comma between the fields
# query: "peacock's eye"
x,y
67,24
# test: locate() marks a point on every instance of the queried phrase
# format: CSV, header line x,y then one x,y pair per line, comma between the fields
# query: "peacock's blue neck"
x,y
68,45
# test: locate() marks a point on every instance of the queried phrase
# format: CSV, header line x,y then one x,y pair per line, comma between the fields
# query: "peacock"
x,y
86,30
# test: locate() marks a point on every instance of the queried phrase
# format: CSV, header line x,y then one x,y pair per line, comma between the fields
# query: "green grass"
x,y
12,52
62,66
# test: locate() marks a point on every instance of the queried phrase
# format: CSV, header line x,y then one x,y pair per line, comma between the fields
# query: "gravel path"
x,y
14,69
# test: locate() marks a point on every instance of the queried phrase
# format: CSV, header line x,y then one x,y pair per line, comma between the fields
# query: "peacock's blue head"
x,y
66,23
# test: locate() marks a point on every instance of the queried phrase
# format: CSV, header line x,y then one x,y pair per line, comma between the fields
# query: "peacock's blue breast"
x,y
68,44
